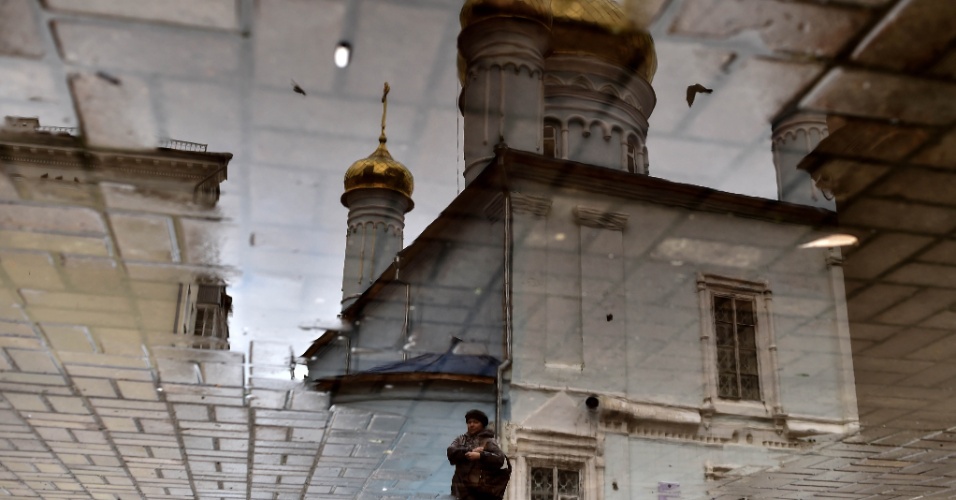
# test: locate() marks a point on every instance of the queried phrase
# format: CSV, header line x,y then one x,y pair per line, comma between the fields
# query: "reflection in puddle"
x,y
668,323
626,335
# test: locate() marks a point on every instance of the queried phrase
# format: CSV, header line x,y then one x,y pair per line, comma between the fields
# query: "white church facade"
x,y
631,337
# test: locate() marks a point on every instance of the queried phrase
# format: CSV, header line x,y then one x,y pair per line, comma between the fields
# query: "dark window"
x,y
205,321
735,330
550,141
553,483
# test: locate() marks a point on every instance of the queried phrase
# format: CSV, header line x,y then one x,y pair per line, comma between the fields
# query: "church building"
x,y
630,337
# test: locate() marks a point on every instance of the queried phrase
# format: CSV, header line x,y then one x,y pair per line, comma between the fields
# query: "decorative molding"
x,y
735,284
394,229
535,448
786,136
551,79
543,443
718,472
521,165
591,217
495,209
612,407
708,424
515,66
527,204
601,101
178,169
21,159
630,100
789,129
580,81
657,432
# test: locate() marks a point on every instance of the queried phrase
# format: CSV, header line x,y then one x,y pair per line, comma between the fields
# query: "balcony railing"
x,y
58,130
163,143
182,145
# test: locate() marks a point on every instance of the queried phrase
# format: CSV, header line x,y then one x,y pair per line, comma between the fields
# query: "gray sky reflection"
x,y
283,225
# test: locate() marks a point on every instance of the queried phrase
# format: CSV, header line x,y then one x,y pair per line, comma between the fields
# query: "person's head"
x,y
476,420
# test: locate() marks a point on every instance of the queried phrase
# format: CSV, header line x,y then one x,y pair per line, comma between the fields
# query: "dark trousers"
x,y
476,496
469,494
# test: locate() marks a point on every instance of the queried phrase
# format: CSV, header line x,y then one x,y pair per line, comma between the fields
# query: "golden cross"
x,y
382,138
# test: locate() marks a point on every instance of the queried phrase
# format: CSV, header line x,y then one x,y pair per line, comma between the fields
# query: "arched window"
x,y
552,145
632,156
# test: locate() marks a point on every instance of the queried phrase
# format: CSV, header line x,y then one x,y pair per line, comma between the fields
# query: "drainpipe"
x,y
408,305
507,313
348,353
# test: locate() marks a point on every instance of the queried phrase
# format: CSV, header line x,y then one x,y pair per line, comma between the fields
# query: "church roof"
x,y
601,28
606,14
474,10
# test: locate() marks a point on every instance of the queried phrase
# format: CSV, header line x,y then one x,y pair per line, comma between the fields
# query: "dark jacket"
x,y
467,471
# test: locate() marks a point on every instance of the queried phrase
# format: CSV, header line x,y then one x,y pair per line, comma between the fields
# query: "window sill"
x,y
741,408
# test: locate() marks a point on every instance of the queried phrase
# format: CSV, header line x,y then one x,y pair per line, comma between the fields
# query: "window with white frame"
x,y
738,341
555,483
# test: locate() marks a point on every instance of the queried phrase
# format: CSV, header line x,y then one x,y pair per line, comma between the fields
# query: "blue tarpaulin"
x,y
480,365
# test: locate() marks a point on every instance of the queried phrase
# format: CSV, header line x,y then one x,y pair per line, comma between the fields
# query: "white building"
x,y
146,195
633,337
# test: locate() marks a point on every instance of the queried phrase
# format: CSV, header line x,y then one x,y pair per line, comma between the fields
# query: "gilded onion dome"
x,y
474,10
602,29
379,170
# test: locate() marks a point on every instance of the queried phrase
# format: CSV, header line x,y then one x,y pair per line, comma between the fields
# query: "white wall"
x,y
569,278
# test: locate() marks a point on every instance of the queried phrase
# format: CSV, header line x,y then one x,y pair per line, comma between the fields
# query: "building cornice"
x,y
565,174
163,163
599,219
333,384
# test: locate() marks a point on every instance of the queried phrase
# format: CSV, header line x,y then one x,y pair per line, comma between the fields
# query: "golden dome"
x,y
606,14
601,28
474,10
379,170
